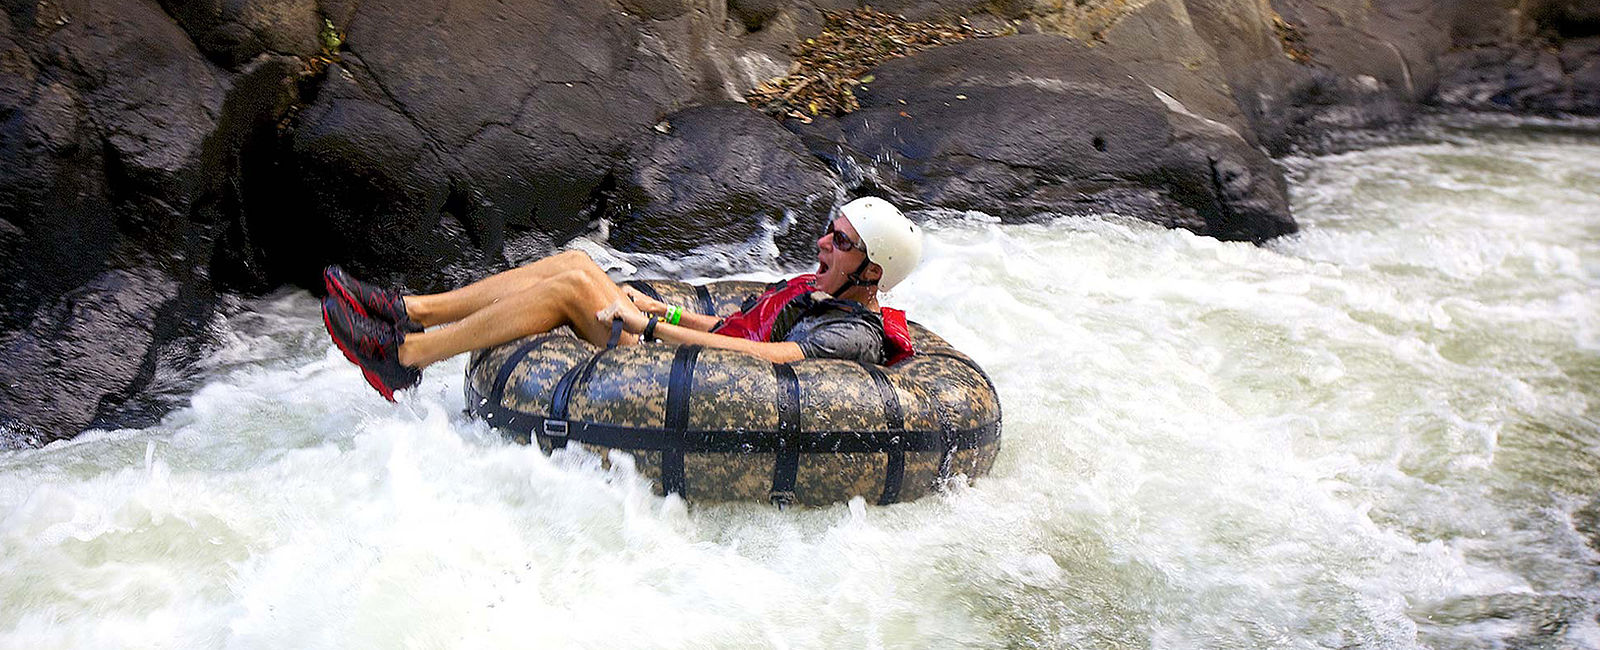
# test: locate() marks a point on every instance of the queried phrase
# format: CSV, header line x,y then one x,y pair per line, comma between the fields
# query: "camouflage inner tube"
x,y
716,425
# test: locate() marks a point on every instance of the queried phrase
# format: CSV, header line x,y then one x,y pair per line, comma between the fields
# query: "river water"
x,y
1381,433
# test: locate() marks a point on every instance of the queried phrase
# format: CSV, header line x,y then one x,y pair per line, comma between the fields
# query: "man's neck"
x,y
867,296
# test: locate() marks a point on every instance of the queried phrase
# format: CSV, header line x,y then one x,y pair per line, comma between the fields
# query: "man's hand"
x,y
633,320
645,303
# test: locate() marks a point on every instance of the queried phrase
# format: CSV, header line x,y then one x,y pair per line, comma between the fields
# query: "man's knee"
x,y
575,260
578,284
578,292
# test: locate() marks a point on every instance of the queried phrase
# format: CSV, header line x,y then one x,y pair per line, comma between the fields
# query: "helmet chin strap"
x,y
855,280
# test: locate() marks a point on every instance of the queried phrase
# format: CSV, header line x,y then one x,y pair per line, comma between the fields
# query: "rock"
x,y
83,356
754,14
1585,77
117,141
146,162
1565,19
232,32
500,121
1158,43
656,9
1034,124
370,191
1510,79
1248,189
1302,69
718,174
102,155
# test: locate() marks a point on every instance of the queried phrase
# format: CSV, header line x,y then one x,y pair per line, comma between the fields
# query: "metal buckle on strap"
x,y
555,428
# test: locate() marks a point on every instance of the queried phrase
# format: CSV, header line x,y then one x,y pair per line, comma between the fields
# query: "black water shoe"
x,y
368,300
372,345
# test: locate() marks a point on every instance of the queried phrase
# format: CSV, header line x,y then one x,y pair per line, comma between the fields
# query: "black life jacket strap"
x,y
805,305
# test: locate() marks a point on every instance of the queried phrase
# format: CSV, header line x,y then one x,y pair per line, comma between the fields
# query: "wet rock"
x,y
715,174
84,355
1524,80
1034,124
117,141
371,191
1248,191
232,33
499,121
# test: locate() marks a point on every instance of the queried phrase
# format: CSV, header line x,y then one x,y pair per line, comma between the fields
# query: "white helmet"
x,y
892,241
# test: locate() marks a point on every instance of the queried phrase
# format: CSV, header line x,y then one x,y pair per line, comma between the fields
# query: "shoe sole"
x,y
371,377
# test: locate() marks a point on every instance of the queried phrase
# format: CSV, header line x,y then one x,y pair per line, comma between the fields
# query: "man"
x,y
833,313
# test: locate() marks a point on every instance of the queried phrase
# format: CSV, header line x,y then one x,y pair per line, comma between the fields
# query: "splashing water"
x,y
1382,432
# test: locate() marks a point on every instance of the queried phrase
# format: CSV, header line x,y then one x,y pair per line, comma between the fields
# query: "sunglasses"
x,y
842,241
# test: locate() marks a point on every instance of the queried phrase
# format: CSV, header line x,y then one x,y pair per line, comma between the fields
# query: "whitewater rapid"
x,y
1383,432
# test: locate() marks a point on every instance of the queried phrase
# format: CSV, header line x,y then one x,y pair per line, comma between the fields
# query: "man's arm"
x,y
689,319
635,320
780,352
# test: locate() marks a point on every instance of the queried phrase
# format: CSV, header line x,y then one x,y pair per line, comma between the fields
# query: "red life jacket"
x,y
757,321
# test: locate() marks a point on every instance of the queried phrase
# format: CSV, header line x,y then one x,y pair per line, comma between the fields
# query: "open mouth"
x,y
822,267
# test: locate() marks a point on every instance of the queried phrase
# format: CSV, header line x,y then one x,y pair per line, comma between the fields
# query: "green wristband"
x,y
674,314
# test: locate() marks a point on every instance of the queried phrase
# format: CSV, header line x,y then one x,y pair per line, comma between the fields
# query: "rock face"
x,y
156,153
1521,80
448,132
116,140
718,174
1037,124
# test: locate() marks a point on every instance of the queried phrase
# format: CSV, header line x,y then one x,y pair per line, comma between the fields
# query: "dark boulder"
x,y
456,137
1525,79
103,143
370,190
718,174
234,32
81,358
1563,19
1035,124
117,140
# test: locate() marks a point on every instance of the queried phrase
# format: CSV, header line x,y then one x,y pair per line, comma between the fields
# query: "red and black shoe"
x,y
371,345
368,300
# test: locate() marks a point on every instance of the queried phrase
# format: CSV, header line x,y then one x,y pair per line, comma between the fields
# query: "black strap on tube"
x,y
616,333
497,391
894,419
703,294
786,470
946,421
679,384
555,427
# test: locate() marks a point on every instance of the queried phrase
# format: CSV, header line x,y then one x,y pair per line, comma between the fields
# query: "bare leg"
x,y
454,305
570,297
